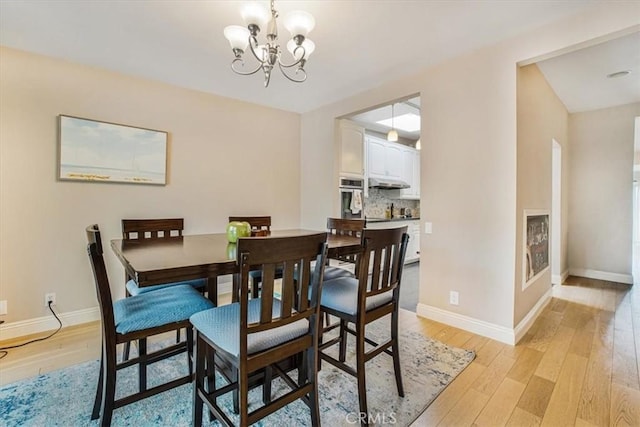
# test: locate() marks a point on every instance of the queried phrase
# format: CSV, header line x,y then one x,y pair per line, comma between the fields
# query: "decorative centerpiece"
x,y
236,229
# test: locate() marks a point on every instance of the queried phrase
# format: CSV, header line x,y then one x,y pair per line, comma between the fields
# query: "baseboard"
x,y
524,325
602,275
479,327
47,323
559,279
486,329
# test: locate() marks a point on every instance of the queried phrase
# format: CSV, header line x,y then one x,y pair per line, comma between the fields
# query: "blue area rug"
x,y
65,397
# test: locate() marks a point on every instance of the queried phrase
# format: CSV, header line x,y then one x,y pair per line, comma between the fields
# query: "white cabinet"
x,y
351,138
384,159
413,230
410,173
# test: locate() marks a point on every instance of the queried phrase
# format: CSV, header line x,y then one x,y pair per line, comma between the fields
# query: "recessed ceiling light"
x,y
618,74
407,122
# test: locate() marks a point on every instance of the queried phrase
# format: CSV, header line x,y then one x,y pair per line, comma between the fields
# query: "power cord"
x,y
3,350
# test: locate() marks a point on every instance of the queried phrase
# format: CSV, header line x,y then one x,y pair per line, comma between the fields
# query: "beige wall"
x,y
601,174
468,182
222,158
542,117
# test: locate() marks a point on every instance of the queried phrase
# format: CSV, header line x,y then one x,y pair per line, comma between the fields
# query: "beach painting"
x,y
92,150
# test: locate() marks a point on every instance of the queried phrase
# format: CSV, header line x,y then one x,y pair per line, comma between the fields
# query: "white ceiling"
x,y
359,44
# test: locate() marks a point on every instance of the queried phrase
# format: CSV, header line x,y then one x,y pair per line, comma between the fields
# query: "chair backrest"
x,y
257,222
103,291
383,256
152,229
299,293
346,227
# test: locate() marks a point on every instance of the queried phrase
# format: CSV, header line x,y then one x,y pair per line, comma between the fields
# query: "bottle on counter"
x,y
391,210
387,212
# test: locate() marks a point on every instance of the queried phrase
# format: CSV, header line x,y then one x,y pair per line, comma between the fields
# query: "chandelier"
x,y
269,54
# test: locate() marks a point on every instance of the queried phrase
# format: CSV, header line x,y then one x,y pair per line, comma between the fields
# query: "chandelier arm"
x,y
243,73
296,62
252,40
304,74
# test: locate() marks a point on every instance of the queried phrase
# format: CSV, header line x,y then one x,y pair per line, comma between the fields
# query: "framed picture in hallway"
x,y
91,150
536,245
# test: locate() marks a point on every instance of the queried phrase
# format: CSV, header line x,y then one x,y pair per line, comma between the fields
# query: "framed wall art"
x,y
91,150
536,245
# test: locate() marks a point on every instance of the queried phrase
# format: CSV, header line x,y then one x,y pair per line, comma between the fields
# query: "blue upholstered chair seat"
x,y
151,309
331,273
341,294
221,325
134,289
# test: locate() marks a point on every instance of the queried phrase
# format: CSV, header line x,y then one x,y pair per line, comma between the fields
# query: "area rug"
x,y
65,397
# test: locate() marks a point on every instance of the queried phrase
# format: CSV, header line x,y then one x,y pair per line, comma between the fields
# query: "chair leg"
x,y
109,388
343,340
312,375
189,349
177,336
236,392
396,352
198,382
97,403
266,386
362,384
126,350
142,365
243,391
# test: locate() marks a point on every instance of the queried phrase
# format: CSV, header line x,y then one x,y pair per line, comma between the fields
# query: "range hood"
x,y
387,183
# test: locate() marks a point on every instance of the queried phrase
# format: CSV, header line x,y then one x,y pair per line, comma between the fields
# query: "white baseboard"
x,y
479,327
559,279
486,329
47,323
602,275
524,325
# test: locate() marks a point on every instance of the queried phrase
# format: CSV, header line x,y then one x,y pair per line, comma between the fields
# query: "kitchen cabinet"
x,y
413,230
384,159
351,138
410,173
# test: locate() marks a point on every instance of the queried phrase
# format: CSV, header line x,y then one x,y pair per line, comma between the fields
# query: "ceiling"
x,y
359,45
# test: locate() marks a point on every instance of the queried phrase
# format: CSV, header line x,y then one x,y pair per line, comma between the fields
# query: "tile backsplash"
x,y
379,200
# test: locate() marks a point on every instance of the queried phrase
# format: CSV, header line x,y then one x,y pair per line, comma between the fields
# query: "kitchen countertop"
x,y
392,219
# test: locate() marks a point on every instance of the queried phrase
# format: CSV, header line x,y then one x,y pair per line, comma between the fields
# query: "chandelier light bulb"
x,y
299,22
238,37
418,145
255,14
392,136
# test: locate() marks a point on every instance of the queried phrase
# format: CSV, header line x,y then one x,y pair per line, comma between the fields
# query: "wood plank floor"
x,y
578,365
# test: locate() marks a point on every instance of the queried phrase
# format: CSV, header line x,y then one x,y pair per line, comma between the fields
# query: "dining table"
x,y
202,256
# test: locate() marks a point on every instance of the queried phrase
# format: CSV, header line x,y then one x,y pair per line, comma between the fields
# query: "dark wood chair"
x,y
361,300
255,335
149,230
344,227
258,224
136,318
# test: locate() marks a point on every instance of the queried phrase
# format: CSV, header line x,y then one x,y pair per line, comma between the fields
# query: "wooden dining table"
x,y
201,256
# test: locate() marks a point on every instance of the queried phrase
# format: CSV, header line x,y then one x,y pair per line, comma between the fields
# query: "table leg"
x,y
212,289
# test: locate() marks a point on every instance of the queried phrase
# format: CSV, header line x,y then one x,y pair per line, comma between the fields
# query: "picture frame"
x,y
98,151
535,245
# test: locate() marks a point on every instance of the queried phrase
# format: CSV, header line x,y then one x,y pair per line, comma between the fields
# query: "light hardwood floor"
x,y
578,365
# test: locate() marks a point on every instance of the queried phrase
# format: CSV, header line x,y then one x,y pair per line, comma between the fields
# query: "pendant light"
x,y
392,135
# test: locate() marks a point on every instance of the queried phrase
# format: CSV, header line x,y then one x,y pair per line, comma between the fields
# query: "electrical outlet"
x,y
50,297
3,307
453,297
428,228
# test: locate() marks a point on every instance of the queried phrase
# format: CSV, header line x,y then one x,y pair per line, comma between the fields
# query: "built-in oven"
x,y
351,198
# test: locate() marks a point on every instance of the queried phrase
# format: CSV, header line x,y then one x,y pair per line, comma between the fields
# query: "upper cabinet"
x,y
411,173
351,149
384,158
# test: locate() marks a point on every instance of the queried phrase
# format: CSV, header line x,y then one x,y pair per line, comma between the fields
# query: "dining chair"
x,y
150,230
360,300
343,227
256,335
137,318
258,223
